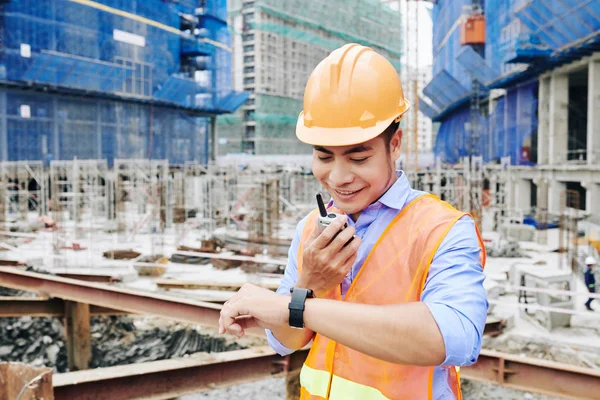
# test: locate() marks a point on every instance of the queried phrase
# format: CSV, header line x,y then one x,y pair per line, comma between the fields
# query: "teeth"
x,y
343,192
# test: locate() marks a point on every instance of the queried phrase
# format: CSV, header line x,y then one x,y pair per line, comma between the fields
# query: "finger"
x,y
246,322
348,254
329,233
343,238
228,315
236,330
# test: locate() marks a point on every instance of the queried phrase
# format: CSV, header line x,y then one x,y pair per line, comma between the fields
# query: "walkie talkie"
x,y
325,218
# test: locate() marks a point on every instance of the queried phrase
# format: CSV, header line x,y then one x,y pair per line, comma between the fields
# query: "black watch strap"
x,y
296,306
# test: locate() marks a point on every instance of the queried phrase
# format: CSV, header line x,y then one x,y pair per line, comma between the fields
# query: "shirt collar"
x,y
396,195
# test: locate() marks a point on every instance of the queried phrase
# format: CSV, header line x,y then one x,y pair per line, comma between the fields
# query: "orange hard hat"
x,y
352,96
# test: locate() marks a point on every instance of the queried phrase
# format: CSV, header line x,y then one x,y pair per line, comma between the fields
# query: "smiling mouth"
x,y
346,192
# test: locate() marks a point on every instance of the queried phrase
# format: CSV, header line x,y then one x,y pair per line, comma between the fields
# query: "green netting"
x,y
278,105
369,22
281,146
229,133
313,39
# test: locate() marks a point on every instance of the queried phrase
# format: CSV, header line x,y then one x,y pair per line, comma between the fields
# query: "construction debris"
x,y
232,287
115,341
11,263
121,254
24,382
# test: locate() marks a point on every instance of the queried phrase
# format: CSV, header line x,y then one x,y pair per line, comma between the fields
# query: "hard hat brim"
x,y
318,136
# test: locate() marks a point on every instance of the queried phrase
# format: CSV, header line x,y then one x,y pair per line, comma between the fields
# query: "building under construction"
x,y
277,44
120,238
518,81
113,79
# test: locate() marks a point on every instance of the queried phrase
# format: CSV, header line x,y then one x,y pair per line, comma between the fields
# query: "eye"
x,y
359,160
325,158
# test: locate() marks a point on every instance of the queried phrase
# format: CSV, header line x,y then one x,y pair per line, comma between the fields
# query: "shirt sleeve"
x,y
455,294
290,277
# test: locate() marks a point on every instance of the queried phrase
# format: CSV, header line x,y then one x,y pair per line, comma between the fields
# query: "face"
x,y
356,176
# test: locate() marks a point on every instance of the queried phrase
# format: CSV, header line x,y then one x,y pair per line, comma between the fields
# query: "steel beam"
x,y
133,301
533,375
40,307
172,378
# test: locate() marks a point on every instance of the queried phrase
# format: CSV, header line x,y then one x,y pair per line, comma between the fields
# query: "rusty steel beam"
x,y
533,375
169,379
41,307
493,326
133,301
91,277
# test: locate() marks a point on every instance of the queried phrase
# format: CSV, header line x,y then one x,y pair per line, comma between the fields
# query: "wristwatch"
x,y
296,306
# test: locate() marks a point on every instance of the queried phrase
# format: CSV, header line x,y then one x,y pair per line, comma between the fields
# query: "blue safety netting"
x,y
523,39
113,78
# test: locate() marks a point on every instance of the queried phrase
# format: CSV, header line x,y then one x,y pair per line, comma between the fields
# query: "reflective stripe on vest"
x,y
316,383
394,272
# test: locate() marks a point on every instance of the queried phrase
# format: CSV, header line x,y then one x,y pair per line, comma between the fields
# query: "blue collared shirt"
x,y
453,291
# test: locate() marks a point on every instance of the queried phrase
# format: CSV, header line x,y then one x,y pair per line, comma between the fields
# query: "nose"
x,y
340,176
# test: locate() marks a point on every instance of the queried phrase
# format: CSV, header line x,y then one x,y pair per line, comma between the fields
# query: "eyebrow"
x,y
356,149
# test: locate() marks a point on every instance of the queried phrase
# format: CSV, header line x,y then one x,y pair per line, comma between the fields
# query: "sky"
x,y
425,28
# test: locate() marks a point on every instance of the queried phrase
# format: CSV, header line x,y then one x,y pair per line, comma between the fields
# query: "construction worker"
x,y
590,280
394,302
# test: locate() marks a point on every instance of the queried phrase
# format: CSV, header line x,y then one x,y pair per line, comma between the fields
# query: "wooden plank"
x,y
258,260
91,277
24,382
205,285
79,342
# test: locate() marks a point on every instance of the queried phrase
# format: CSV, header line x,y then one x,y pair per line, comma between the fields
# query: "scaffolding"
x,y
22,193
523,38
568,239
142,197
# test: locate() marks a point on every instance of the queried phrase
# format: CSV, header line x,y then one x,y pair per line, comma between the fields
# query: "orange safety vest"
x,y
394,272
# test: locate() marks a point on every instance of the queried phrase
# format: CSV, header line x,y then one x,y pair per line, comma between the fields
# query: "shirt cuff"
x,y
458,338
276,344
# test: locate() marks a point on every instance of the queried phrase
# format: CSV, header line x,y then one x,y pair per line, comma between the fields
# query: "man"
x,y
402,304
590,280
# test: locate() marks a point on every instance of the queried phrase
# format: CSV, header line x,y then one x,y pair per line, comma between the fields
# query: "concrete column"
x,y
558,138
214,139
510,187
523,195
555,193
3,131
592,194
593,117
542,195
543,120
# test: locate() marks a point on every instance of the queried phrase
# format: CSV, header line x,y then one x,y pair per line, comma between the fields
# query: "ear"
x,y
396,144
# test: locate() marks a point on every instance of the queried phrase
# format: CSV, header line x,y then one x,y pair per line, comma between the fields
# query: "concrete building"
x,y
543,113
276,46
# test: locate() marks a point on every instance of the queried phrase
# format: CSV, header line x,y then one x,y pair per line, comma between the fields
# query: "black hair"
x,y
388,134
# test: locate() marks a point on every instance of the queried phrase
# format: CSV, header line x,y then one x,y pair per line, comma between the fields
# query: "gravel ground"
x,y
274,389
268,389
485,391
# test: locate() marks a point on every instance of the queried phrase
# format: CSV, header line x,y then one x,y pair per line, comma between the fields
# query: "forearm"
x,y
291,338
399,333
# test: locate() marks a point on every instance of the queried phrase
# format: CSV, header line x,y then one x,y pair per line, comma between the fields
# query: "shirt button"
x,y
336,355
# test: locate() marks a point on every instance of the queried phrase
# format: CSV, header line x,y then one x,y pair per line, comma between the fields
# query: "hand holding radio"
x,y
329,252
